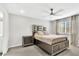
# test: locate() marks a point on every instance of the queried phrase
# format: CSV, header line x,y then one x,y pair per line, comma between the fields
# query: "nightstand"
x,y
27,40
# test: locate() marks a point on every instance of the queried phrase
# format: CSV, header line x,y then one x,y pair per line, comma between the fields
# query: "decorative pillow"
x,y
40,33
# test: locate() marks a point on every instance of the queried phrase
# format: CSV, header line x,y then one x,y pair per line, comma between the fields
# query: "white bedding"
x,y
50,39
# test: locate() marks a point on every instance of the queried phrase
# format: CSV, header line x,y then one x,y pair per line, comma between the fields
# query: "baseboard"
x,y
18,45
15,47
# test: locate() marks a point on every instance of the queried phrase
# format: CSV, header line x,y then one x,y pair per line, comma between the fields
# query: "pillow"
x,y
46,33
40,33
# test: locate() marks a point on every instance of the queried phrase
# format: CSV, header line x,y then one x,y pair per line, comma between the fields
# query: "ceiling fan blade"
x,y
58,11
47,8
45,11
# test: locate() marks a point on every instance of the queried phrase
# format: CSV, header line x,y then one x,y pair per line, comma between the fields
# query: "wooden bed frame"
x,y
53,49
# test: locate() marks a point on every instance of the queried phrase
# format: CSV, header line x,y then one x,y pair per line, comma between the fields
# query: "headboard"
x,y
36,28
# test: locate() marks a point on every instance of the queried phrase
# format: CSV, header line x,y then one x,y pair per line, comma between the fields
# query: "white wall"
x,y
0,45
22,26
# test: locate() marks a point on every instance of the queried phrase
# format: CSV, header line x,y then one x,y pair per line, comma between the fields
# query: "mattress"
x,y
50,39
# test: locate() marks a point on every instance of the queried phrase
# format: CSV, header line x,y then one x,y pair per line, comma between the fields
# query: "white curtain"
x,y
64,27
74,30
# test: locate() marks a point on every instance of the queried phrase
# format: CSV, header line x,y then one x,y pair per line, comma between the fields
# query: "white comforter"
x,y
50,39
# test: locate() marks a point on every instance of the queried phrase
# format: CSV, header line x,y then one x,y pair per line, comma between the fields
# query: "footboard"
x,y
44,46
54,48
59,47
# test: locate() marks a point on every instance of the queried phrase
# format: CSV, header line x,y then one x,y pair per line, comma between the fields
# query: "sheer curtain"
x,y
74,30
70,27
64,27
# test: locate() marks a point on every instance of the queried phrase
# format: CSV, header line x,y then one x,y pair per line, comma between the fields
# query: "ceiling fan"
x,y
52,13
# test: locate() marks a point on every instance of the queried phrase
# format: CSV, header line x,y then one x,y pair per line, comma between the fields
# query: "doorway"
x,y
4,31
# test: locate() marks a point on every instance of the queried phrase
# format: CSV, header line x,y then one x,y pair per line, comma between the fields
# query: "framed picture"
x,y
34,27
44,28
39,28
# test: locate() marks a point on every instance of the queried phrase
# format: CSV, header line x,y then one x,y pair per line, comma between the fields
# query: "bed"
x,y
50,43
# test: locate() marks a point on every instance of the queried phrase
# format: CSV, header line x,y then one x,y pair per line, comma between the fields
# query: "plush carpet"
x,y
36,51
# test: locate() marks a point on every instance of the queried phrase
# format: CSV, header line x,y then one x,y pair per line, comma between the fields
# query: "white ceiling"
x,y
37,10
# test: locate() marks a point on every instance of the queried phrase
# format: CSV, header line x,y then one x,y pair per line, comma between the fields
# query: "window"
x,y
63,26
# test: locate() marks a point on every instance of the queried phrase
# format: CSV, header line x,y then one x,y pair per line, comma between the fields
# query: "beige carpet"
x,y
36,51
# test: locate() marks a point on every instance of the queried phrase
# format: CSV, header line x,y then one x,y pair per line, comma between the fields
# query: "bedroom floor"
x,y
36,51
